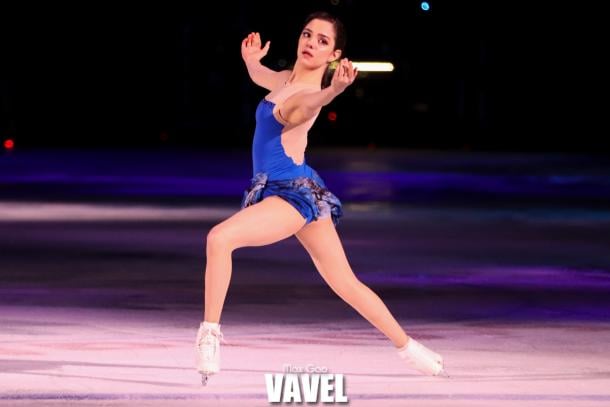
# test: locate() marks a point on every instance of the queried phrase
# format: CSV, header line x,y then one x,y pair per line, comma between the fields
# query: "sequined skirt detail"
x,y
308,195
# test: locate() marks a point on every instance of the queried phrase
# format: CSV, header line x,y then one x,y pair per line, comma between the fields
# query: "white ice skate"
x,y
207,346
422,358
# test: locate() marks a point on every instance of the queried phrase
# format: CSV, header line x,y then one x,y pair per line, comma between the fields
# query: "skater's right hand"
x,y
251,50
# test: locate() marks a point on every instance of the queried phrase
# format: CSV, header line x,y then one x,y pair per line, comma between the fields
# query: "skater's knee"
x,y
218,239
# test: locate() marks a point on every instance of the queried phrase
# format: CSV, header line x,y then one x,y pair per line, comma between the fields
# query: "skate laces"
x,y
209,341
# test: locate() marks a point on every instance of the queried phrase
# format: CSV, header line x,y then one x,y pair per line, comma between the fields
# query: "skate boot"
x,y
207,346
423,359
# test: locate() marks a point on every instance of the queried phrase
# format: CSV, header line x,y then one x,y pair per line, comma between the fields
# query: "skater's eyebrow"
x,y
319,34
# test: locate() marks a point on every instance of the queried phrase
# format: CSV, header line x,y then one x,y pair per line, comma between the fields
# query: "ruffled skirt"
x,y
308,195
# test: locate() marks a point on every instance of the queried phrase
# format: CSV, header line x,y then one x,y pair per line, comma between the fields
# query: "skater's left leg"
x,y
322,242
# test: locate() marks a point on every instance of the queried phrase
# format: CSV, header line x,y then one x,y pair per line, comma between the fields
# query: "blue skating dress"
x,y
276,173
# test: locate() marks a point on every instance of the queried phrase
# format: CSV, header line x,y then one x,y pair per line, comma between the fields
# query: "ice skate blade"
x,y
204,379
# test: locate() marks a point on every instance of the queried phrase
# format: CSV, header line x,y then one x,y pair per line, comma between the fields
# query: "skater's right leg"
x,y
269,221
265,222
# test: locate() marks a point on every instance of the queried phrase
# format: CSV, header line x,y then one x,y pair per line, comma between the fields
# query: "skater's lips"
x,y
307,53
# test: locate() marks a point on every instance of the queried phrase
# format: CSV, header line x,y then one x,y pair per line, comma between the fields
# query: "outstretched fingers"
x,y
251,47
353,72
247,42
349,71
344,75
256,40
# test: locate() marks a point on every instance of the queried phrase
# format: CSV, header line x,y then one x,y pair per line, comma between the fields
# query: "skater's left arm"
x,y
305,105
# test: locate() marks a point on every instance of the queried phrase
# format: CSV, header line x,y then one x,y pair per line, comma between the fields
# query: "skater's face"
x,y
317,44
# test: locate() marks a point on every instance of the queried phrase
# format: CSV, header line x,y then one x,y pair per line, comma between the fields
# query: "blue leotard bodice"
x,y
268,154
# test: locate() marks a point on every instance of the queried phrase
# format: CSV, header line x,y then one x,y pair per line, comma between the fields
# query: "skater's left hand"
x,y
344,75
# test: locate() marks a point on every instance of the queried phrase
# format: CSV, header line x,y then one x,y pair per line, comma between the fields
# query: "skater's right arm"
x,y
252,53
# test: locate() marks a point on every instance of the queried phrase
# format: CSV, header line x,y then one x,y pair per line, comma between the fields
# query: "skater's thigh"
x,y
322,242
263,223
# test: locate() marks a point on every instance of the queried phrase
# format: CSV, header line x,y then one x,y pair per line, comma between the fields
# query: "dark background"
x,y
469,75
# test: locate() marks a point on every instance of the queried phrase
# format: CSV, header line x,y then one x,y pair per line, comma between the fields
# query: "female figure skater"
x,y
287,197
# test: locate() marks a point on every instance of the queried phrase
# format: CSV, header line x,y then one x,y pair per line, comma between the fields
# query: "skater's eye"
x,y
322,39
